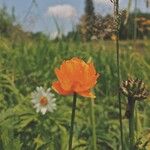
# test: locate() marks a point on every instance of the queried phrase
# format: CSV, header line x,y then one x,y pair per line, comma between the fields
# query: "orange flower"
x,y
75,76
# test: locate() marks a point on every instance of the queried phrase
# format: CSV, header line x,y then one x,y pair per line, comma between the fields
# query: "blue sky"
x,y
39,20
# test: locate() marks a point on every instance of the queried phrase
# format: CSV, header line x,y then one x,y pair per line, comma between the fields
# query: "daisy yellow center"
x,y
43,101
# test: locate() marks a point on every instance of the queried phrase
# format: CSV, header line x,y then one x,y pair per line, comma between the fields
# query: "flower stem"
x,y
131,104
93,125
72,120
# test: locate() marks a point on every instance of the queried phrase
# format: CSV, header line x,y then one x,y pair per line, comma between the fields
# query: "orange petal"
x,y
87,94
57,87
63,79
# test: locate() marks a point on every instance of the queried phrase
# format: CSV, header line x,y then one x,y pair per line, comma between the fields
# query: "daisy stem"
x,y
72,120
93,125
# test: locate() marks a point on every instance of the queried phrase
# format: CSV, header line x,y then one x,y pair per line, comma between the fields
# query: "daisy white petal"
x,y
43,100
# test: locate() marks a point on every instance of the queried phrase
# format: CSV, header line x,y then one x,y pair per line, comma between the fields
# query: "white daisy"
x,y
43,100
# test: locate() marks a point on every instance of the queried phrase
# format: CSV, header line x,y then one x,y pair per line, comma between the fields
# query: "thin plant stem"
x,y
92,113
135,24
137,123
118,69
131,123
72,120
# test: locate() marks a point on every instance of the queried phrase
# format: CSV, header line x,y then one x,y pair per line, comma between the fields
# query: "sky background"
x,y
43,15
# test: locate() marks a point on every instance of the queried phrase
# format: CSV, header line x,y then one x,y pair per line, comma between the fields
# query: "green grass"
x,y
26,65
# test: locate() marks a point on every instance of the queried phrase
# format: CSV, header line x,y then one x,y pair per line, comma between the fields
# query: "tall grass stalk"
x,y
92,113
116,3
135,25
135,21
72,120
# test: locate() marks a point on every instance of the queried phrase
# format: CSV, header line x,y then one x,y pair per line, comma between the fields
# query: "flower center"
x,y
43,101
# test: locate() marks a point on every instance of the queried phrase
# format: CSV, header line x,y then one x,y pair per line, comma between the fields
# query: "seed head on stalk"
x,y
135,89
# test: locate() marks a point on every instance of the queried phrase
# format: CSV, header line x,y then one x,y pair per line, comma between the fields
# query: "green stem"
x,y
72,120
93,125
135,25
135,22
131,104
137,123
118,71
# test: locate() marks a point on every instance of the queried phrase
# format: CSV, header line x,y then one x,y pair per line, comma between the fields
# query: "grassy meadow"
x,y
30,63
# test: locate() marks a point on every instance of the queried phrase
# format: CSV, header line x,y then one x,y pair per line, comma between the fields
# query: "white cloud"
x,y
62,11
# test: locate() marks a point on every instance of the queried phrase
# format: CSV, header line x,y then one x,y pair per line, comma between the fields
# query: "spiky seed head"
x,y
134,88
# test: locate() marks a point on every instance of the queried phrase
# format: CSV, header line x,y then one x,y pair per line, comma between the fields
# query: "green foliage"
x,y
29,64
6,22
